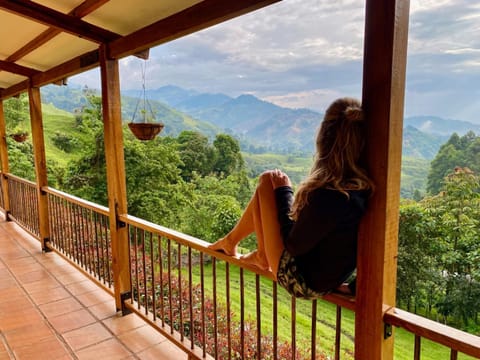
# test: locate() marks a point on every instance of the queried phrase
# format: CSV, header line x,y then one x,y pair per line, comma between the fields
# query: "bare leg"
x,y
260,217
243,228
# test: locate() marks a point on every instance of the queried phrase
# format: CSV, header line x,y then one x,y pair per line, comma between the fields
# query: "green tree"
x,y
86,176
20,159
416,269
16,112
210,216
457,151
439,251
196,154
155,190
228,156
20,155
456,212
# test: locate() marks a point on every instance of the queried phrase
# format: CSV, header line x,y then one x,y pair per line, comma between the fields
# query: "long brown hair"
x,y
339,145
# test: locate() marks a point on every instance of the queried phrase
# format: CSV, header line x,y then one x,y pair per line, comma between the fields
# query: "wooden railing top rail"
x,y
19,179
454,339
78,201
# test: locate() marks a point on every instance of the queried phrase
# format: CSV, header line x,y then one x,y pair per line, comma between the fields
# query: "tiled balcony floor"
x,y
50,310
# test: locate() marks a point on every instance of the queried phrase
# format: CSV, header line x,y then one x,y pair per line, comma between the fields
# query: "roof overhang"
x,y
47,41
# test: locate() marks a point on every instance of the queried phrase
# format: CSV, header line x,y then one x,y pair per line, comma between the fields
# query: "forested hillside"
x,y
260,126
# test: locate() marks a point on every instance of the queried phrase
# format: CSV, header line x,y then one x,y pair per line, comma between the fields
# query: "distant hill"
x,y
421,145
259,125
71,99
439,126
170,95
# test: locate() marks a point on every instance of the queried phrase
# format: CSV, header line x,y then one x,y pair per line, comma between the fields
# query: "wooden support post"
x,y
36,121
4,162
116,183
386,33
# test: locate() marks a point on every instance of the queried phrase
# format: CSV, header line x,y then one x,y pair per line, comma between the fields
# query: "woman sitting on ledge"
x,y
310,242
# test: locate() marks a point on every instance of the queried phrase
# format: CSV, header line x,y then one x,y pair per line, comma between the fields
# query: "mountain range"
x,y
259,125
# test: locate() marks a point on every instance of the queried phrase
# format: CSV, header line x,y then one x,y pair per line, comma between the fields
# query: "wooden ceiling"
x,y
46,41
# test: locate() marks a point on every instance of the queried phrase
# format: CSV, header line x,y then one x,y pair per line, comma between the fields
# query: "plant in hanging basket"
x,y
20,136
147,128
145,131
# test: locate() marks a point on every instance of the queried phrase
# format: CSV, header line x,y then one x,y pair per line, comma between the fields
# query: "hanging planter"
x,y
146,128
145,131
20,136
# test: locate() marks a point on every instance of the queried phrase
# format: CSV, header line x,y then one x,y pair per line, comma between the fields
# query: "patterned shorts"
x,y
289,278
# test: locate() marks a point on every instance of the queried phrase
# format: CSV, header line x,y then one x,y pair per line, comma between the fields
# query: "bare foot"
x,y
255,259
224,245
344,289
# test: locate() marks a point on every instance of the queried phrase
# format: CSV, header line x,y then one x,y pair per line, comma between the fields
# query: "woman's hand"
x,y
279,178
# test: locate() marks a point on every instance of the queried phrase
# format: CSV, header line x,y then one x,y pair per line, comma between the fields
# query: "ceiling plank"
x,y
17,69
195,18
34,44
80,11
58,20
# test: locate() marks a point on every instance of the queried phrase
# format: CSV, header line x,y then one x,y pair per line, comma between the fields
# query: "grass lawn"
x,y
326,316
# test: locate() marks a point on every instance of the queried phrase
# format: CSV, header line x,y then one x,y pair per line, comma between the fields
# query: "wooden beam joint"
x,y
58,20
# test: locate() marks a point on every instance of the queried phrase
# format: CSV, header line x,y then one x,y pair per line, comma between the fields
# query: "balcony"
x,y
190,299
185,301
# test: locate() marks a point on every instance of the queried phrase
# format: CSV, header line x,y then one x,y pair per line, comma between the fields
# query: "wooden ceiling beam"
x,y
87,7
80,11
58,20
15,90
195,18
77,65
58,73
41,39
17,69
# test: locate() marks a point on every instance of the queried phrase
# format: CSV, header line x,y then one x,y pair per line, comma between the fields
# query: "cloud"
x,y
304,53
316,99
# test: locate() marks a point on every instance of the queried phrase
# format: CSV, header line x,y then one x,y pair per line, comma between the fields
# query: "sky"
x,y
306,53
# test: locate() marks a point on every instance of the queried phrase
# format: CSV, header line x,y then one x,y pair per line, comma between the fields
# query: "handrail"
x,y
452,338
190,241
344,301
76,200
19,179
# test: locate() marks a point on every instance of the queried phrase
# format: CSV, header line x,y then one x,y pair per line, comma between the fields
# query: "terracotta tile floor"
x,y
49,310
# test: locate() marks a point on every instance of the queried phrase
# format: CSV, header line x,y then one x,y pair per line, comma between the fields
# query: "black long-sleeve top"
x,y
323,240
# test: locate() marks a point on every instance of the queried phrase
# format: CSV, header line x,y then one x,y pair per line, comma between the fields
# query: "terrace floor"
x,y
50,310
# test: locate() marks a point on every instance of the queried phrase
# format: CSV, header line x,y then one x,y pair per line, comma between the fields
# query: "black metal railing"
x,y
23,199
79,230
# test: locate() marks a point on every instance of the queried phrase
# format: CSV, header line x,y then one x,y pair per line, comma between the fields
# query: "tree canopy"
x,y
457,151
439,251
